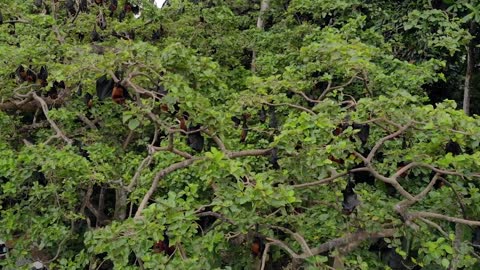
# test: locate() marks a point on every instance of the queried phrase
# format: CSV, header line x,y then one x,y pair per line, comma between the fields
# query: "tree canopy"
x,y
239,134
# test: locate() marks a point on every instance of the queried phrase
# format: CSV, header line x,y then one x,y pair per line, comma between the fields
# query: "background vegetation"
x,y
239,134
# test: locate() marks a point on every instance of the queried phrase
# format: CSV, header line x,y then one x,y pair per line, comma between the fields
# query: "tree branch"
x,y
422,214
320,182
52,123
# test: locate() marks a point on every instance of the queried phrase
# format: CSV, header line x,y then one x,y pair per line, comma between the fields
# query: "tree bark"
x,y
469,71
265,4
120,204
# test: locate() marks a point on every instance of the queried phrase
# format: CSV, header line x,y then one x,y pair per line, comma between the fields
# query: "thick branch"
x,y
422,214
358,236
30,105
253,152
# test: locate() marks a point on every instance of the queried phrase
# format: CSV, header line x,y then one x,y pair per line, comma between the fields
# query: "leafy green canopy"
x,y
92,184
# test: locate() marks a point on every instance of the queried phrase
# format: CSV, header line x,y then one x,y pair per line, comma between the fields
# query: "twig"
x,y
436,226
305,248
329,88
216,215
87,121
264,256
292,106
320,182
137,174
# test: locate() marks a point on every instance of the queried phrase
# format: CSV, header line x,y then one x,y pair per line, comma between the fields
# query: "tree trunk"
x,y
265,4
120,204
469,71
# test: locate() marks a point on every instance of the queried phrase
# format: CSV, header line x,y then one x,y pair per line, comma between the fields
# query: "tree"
x,y
235,134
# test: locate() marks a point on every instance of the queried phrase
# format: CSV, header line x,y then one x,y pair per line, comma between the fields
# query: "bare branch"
x,y
216,215
391,181
137,174
329,88
422,214
436,226
320,182
264,256
420,195
299,238
253,152
52,123
216,139
176,166
384,139
358,236
292,106
87,121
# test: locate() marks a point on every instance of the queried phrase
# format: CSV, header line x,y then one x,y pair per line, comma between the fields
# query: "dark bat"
x,y
131,8
21,73
94,34
113,6
183,122
258,246
70,5
340,128
262,115
84,153
104,87
88,100
350,199
476,238
243,135
3,250
53,92
127,7
38,3
121,16
453,148
237,121
273,118
119,93
157,34
164,246
135,9
363,133
195,140
274,159
31,76
161,90
42,76
83,6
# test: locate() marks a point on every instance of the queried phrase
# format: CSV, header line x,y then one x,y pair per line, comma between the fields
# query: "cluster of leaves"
x,y
168,180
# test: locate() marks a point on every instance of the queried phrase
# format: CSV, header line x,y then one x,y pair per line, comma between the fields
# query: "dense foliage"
x,y
238,134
